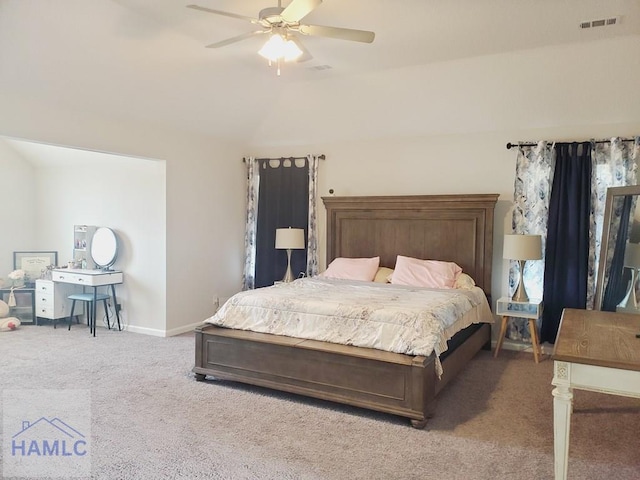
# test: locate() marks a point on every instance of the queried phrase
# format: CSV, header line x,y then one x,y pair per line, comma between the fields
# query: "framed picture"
x,y
34,263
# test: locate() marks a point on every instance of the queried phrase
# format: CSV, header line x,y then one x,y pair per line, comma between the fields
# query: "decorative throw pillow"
x,y
352,268
383,275
425,273
464,282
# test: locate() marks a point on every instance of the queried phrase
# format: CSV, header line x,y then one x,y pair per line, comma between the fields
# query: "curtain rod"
x,y
321,157
511,145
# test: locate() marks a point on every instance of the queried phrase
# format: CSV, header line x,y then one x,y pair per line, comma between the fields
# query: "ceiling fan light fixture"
x,y
283,26
279,48
292,51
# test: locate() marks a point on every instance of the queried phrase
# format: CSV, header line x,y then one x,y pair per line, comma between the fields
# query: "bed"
x,y
458,228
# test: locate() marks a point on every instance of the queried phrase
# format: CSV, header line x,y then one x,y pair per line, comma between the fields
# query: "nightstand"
x,y
531,310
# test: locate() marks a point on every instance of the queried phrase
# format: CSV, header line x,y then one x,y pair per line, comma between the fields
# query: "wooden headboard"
x,y
456,228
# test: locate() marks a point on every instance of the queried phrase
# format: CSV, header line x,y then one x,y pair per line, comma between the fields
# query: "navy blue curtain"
x,y
618,278
567,250
283,201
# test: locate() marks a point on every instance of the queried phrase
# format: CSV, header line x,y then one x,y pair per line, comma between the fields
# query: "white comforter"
x,y
395,318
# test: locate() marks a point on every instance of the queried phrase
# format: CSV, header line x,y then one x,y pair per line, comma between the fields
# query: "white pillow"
x,y
352,268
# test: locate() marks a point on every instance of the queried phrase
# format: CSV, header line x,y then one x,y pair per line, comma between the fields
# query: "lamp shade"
x,y
522,247
632,255
289,238
278,47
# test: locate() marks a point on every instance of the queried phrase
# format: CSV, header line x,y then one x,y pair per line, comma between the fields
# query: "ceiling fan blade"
x,y
339,33
298,9
228,41
306,56
226,14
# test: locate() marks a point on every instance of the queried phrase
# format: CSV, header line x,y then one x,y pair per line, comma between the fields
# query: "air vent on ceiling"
x,y
601,22
321,67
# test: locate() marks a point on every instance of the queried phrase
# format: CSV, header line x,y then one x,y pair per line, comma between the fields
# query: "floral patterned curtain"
x,y
532,191
253,187
312,234
614,165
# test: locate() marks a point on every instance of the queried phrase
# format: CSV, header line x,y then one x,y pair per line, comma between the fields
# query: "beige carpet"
x,y
150,419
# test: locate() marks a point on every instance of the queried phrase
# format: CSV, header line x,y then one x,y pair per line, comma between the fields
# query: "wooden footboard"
x,y
388,382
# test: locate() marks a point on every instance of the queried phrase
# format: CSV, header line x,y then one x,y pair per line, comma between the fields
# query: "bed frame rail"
x,y
387,382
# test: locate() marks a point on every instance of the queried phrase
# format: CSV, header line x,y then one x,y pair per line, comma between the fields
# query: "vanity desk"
x,y
94,279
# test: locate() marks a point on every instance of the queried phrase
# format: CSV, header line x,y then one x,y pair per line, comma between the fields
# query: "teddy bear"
x,y
7,323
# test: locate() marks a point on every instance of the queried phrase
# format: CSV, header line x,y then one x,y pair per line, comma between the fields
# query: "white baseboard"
x,y
184,329
162,333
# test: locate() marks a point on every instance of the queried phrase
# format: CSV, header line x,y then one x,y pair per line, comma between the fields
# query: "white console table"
x,y
596,351
94,279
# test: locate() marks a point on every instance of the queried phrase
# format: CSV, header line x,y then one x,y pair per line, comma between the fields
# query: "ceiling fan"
x,y
283,25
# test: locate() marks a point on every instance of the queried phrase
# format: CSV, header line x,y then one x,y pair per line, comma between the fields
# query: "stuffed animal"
x,y
7,323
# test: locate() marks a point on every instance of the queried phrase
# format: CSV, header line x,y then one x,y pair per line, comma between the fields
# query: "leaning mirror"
x,y
104,247
617,280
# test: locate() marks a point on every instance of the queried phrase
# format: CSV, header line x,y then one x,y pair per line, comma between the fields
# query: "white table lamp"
x,y
631,261
289,239
522,248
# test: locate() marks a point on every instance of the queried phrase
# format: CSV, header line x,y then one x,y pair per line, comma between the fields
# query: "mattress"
x,y
394,318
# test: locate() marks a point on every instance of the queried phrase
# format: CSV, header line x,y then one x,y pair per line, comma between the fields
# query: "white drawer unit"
x,y
90,278
52,302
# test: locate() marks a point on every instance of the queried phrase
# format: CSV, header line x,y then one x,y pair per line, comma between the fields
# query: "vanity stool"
x,y
88,297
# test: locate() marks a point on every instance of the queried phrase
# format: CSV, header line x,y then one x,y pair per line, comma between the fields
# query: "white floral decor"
x,y
17,277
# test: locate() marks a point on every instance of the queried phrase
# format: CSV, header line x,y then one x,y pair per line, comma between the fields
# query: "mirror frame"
x,y
114,255
612,194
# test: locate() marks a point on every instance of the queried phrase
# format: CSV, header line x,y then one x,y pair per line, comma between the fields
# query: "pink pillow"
x,y
425,273
352,268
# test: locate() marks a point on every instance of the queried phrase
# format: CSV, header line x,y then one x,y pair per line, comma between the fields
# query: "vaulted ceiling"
x,y
146,59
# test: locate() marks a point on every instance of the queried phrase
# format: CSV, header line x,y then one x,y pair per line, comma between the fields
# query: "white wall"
x,y
17,208
578,85
127,195
205,184
443,128
205,233
439,128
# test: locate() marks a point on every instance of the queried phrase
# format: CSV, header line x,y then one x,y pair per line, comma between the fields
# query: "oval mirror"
x,y
104,247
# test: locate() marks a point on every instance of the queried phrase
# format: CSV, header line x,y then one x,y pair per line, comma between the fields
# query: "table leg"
x,y
115,302
93,309
503,331
562,408
533,331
